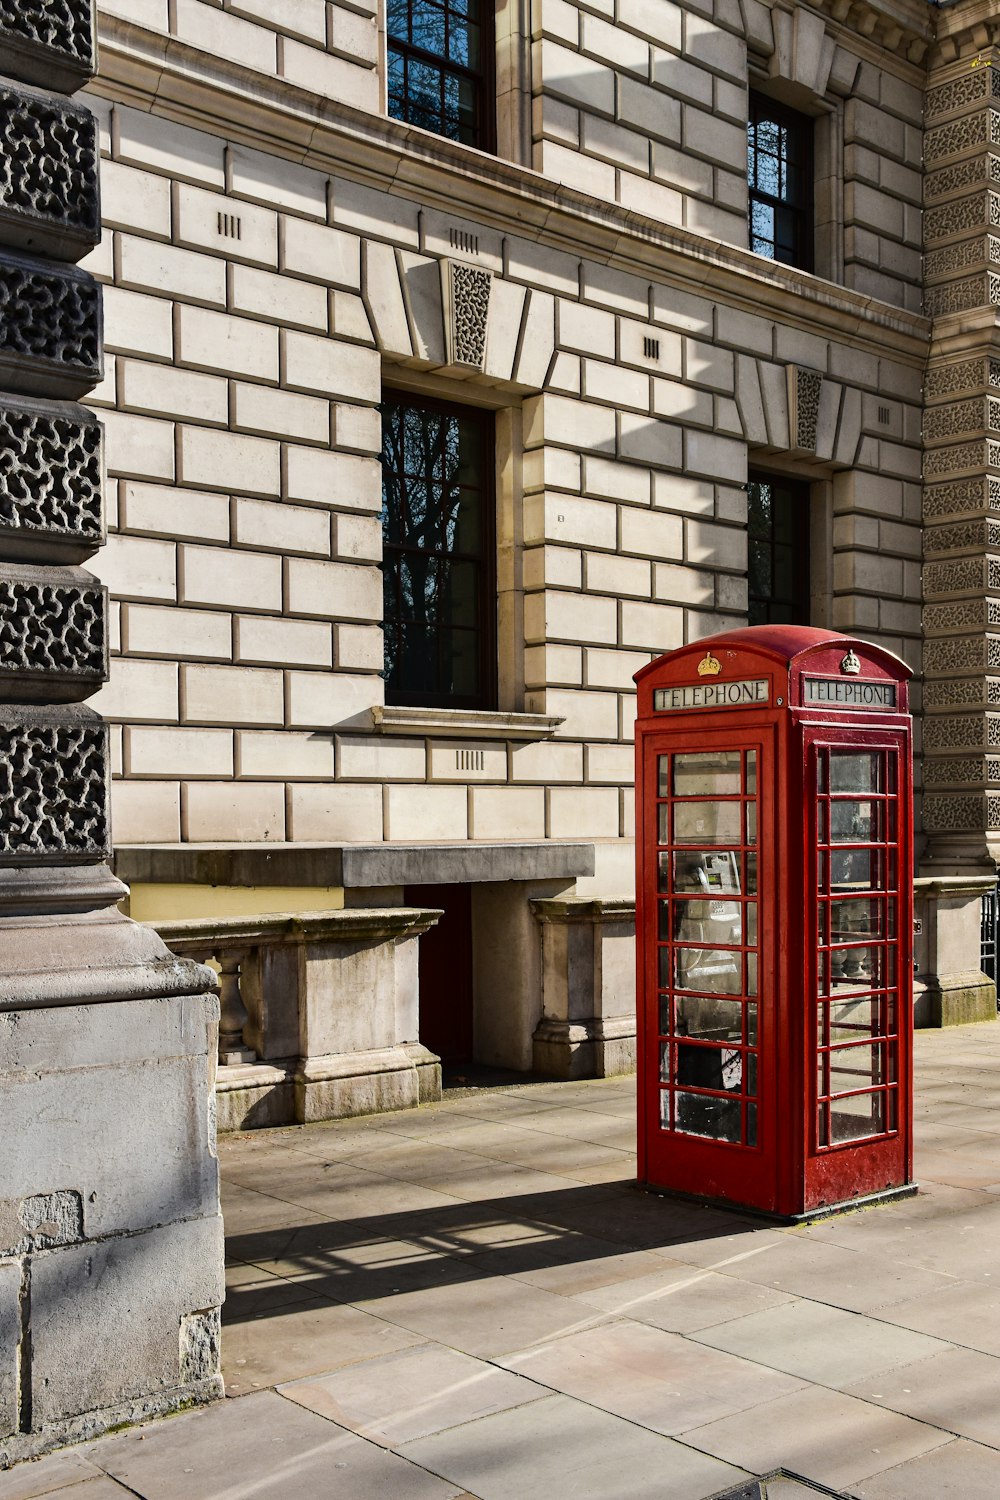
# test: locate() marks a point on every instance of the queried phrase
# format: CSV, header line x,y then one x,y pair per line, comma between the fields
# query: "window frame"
x,y
483,78
761,106
802,521
486,622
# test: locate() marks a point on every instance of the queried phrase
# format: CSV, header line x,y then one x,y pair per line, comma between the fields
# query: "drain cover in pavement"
x,y
781,1485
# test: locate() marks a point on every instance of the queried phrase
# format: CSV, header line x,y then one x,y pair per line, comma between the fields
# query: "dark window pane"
x,y
439,72
778,551
439,588
779,175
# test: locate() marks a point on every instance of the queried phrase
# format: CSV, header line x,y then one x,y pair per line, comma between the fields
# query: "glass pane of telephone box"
x,y
713,872
850,1020
853,1119
861,969
855,822
700,1114
707,922
708,773
856,1068
710,1020
852,919
855,771
714,971
707,823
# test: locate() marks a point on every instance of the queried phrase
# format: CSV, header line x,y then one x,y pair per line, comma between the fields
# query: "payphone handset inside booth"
x,y
773,912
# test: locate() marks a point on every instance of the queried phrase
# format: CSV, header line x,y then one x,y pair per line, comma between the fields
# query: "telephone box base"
x,y
809,1216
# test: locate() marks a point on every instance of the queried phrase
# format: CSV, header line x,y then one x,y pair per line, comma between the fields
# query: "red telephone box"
x,y
774,920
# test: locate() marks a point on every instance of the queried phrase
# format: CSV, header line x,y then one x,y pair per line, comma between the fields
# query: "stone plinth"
x,y
110,1232
588,988
948,912
332,1013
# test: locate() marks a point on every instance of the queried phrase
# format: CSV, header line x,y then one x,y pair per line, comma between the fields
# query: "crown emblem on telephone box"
x,y
709,666
851,664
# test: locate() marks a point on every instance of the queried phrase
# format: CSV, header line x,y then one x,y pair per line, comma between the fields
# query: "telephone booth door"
x,y
710,1037
859,905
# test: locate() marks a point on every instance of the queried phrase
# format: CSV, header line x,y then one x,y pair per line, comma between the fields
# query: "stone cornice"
x,y
964,30
904,28
159,74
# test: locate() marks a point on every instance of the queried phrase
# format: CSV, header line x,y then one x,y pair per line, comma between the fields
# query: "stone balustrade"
x,y
319,1012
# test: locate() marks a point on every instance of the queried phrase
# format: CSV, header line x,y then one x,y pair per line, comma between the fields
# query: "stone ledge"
x,y
354,925
583,908
480,724
351,865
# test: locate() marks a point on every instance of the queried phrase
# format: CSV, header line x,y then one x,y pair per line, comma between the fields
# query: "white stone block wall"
x,y
256,310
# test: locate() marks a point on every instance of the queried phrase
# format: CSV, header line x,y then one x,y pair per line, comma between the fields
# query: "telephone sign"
x,y
774,921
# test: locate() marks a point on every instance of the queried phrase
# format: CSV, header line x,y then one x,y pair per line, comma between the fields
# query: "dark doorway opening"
x,y
446,982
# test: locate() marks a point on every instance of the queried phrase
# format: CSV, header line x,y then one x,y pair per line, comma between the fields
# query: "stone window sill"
x,y
463,723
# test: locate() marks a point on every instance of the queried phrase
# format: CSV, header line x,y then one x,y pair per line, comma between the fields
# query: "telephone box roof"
x,y
781,642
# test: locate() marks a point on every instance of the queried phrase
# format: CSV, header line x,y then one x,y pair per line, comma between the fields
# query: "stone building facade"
x,y
287,253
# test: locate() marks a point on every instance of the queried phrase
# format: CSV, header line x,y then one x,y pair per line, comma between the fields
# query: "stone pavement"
x,y
470,1300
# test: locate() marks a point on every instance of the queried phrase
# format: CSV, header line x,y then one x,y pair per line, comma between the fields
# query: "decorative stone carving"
x,y
959,770
49,165
53,640
49,42
962,576
50,328
959,296
974,614
956,418
977,129
803,407
966,536
467,307
949,380
961,176
959,456
941,500
963,216
967,692
53,786
952,259
51,471
969,88
945,813
956,653
961,732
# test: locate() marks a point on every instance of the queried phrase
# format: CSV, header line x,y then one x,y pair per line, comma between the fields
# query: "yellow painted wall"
x,y
174,903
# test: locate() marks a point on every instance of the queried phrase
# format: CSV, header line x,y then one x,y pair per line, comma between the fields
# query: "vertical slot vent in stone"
x,y
230,226
470,760
462,240
651,348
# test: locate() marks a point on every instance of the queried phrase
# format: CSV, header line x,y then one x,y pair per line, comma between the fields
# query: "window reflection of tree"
x,y
431,516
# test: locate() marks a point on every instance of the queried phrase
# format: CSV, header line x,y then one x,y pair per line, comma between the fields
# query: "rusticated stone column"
x,y
110,1235
961,741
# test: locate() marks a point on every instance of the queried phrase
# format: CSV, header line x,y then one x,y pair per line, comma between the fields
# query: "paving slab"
x,y
559,1447
488,1316
683,1299
957,1471
965,1313
805,1431
958,1390
650,1377
54,1475
264,1447
821,1344
304,1338
400,1397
